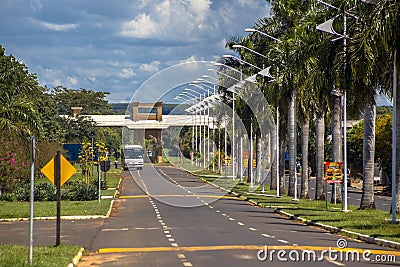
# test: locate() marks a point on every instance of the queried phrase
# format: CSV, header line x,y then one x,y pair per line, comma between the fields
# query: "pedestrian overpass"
x,y
145,121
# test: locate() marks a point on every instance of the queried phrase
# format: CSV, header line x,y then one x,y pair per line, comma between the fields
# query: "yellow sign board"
x,y
66,170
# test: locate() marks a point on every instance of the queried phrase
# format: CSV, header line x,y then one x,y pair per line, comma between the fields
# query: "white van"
x,y
133,157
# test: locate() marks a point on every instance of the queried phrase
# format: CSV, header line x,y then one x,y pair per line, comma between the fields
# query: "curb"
x,y
76,259
86,217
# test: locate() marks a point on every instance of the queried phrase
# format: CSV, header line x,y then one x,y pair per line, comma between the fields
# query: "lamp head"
x,y
250,30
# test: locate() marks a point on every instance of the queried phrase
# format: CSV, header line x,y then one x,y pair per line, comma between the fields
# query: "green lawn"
x,y
17,256
371,222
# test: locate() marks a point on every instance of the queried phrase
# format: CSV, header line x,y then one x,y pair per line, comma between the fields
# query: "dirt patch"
x,y
95,259
115,208
109,259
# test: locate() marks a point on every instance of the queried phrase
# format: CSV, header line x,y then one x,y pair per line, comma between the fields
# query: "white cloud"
x,y
192,58
151,67
170,20
72,81
127,73
142,26
60,27
199,6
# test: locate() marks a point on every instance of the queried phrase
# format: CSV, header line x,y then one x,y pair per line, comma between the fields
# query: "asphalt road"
x,y
166,217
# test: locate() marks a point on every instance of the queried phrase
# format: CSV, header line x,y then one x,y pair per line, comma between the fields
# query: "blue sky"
x,y
115,46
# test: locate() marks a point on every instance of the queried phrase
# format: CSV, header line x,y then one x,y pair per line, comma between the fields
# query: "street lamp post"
x,y
394,132
327,26
204,126
277,110
233,123
277,106
197,110
194,125
208,119
203,81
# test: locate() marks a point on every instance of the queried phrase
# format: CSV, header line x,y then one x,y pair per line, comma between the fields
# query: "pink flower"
x,y
12,161
22,164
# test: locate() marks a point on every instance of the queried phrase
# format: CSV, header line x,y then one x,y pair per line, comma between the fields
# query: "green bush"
x,y
84,193
45,191
79,191
22,193
42,192
74,191
6,197
103,184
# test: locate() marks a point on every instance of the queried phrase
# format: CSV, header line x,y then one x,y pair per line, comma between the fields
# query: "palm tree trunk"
x,y
282,149
367,198
336,141
291,132
319,180
305,133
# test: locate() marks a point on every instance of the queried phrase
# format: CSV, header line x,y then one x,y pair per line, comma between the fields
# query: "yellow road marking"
x,y
204,196
242,247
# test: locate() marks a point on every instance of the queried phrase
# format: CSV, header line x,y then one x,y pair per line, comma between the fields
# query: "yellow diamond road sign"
x,y
66,170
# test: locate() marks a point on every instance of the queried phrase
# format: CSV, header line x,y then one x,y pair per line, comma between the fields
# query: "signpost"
x,y
333,175
58,170
105,166
30,256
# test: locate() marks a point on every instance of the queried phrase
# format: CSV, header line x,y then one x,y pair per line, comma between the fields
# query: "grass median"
x,y
15,209
374,223
51,256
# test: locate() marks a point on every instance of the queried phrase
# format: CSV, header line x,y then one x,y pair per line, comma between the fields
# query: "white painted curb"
x,y
76,259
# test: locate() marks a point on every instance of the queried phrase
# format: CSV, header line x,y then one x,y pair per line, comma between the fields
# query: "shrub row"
x,y
74,191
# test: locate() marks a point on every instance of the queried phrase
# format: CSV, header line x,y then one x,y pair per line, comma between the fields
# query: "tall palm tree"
x,y
18,88
369,55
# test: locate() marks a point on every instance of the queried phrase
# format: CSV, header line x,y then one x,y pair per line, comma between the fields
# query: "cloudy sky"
x,y
114,46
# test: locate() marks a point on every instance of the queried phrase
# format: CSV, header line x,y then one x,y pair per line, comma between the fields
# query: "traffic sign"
x,y
105,165
66,170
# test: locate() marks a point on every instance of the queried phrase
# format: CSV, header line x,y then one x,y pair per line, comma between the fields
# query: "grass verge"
x,y
17,255
374,223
